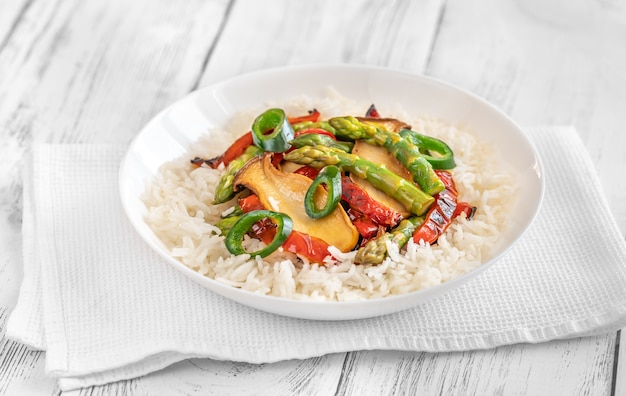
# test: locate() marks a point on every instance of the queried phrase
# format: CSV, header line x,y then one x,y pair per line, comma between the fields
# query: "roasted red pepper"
x,y
313,116
360,200
250,203
234,151
316,131
442,212
314,249
307,246
307,171
364,225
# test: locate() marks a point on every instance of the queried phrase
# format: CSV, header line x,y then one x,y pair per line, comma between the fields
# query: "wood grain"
x,y
549,369
21,369
396,34
297,377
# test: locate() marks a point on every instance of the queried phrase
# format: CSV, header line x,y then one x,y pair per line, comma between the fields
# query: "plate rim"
x,y
269,303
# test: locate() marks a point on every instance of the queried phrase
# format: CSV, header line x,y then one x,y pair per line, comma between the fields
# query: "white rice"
x,y
181,215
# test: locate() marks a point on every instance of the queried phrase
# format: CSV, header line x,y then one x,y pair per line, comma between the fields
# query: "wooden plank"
x,y
97,71
294,377
543,369
259,35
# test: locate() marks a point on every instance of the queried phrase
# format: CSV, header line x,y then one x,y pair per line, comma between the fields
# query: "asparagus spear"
x,y
407,193
314,139
227,222
374,251
310,124
406,152
224,190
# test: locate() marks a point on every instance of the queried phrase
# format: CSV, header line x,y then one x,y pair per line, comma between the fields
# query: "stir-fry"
x,y
355,183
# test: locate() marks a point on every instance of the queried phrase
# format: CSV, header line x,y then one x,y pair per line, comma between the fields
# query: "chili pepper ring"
x,y
271,131
330,176
234,238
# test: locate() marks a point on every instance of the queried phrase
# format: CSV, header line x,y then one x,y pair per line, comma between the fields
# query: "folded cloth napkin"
x,y
105,307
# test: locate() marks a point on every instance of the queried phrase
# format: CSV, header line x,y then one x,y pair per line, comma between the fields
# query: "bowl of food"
x,y
331,192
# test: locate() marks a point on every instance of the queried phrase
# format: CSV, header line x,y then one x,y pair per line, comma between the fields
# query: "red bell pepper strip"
x,y
364,225
442,212
313,116
318,131
307,171
234,151
464,207
250,203
359,199
314,249
307,246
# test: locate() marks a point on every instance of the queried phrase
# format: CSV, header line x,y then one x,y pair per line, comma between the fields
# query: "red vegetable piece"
x,y
314,249
464,207
372,112
250,203
313,116
364,225
235,150
313,131
442,212
308,171
307,246
277,158
360,200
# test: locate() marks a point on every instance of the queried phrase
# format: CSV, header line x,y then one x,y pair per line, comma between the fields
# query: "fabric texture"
x,y
105,307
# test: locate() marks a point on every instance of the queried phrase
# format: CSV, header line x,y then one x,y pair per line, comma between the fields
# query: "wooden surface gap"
x,y
209,53
615,376
433,42
15,24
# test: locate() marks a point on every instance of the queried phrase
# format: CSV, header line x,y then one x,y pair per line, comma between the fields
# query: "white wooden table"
x,y
94,71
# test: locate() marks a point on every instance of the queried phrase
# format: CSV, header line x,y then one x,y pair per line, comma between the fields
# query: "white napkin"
x,y
105,307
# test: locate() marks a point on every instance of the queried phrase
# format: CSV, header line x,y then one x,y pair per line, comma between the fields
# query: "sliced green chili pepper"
x,y
444,158
330,175
271,131
234,239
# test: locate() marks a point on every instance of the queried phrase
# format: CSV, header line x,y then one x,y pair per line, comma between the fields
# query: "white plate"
x,y
170,134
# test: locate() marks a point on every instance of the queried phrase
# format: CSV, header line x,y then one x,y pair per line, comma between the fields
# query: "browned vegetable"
x,y
382,157
285,192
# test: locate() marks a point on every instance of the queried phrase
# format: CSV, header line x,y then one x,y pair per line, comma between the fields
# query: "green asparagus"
x,y
314,139
375,251
310,124
403,150
407,193
224,190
